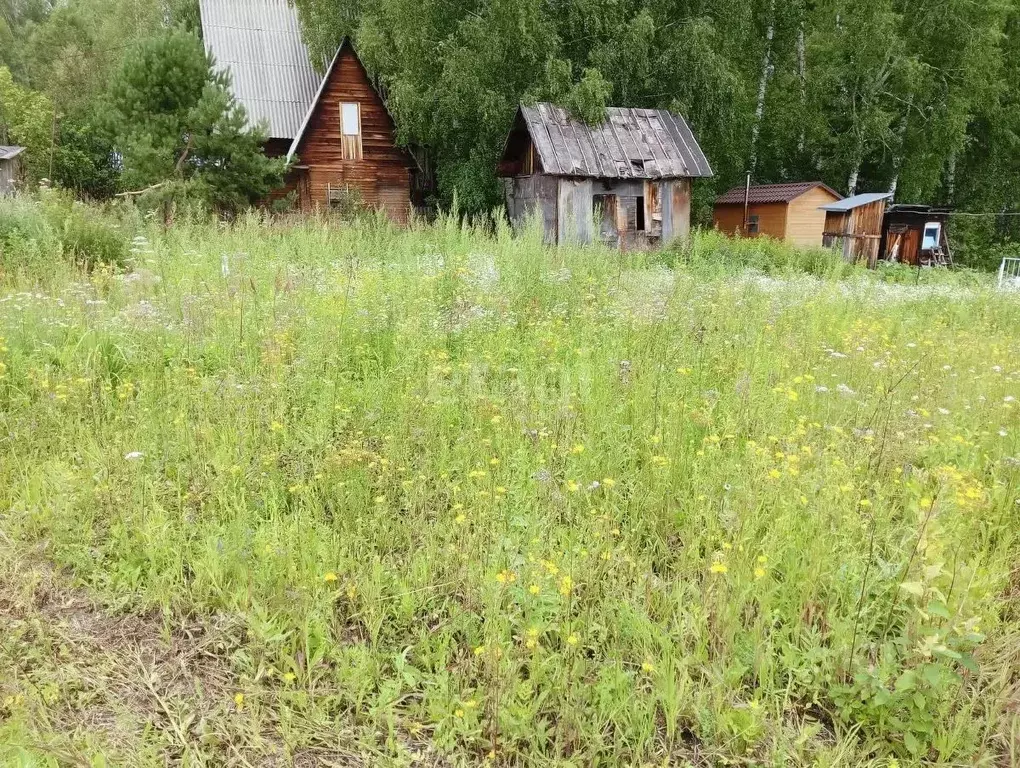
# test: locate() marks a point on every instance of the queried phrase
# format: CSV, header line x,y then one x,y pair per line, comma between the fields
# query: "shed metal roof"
x,y
630,144
259,43
849,203
10,152
763,194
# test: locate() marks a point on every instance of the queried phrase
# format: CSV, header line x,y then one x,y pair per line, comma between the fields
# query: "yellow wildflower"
x,y
566,585
329,577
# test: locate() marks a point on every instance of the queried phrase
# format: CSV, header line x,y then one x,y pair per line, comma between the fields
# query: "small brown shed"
x,y
628,177
916,235
12,171
790,212
327,118
854,225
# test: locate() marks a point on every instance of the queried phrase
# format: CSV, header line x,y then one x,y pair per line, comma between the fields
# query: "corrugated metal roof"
x,y
631,144
849,203
773,193
10,152
259,43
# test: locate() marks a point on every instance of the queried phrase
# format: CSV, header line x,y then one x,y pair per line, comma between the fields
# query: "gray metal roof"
x,y
849,203
630,144
10,152
259,43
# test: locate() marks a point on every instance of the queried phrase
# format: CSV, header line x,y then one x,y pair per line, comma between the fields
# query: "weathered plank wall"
x,y
526,195
580,210
574,211
10,175
866,226
676,199
382,177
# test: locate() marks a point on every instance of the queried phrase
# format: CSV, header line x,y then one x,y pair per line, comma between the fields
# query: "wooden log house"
x,y
626,181
327,118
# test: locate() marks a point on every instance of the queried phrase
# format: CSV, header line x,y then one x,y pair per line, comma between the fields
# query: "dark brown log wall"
x,y
382,177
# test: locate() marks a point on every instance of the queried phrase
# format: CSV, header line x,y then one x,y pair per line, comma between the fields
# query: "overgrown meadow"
x,y
335,494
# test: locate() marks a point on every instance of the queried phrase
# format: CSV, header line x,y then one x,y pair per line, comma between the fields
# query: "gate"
x,y
1009,274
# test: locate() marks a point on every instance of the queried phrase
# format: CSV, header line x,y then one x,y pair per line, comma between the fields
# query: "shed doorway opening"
x,y
605,209
640,224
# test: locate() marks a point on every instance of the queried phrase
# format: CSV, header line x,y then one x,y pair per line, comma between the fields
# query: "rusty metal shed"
x,y
630,175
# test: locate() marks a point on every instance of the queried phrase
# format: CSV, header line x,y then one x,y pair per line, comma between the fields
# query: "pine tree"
x,y
177,123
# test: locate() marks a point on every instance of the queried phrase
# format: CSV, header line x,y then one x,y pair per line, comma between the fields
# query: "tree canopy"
x,y
920,97
175,120
865,95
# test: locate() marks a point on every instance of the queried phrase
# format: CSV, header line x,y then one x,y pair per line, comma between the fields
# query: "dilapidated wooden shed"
x,y
916,235
11,169
626,181
854,225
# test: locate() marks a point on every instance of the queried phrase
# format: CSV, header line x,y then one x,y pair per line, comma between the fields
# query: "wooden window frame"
x,y
351,146
753,224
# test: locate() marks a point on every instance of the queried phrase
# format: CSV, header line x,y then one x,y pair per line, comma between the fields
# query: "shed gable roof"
x,y
630,144
272,73
10,152
764,194
849,203
346,45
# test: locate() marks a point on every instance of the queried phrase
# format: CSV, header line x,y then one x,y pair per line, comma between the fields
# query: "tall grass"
x,y
533,506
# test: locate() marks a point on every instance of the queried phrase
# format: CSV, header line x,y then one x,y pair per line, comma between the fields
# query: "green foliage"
x,y
36,236
717,253
26,118
442,491
175,121
588,99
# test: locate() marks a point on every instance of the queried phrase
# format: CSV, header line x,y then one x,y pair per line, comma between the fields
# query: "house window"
x,y
640,227
752,225
931,238
350,130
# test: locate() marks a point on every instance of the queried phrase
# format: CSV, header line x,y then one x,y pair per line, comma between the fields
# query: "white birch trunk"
x,y
763,82
898,157
802,76
951,176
